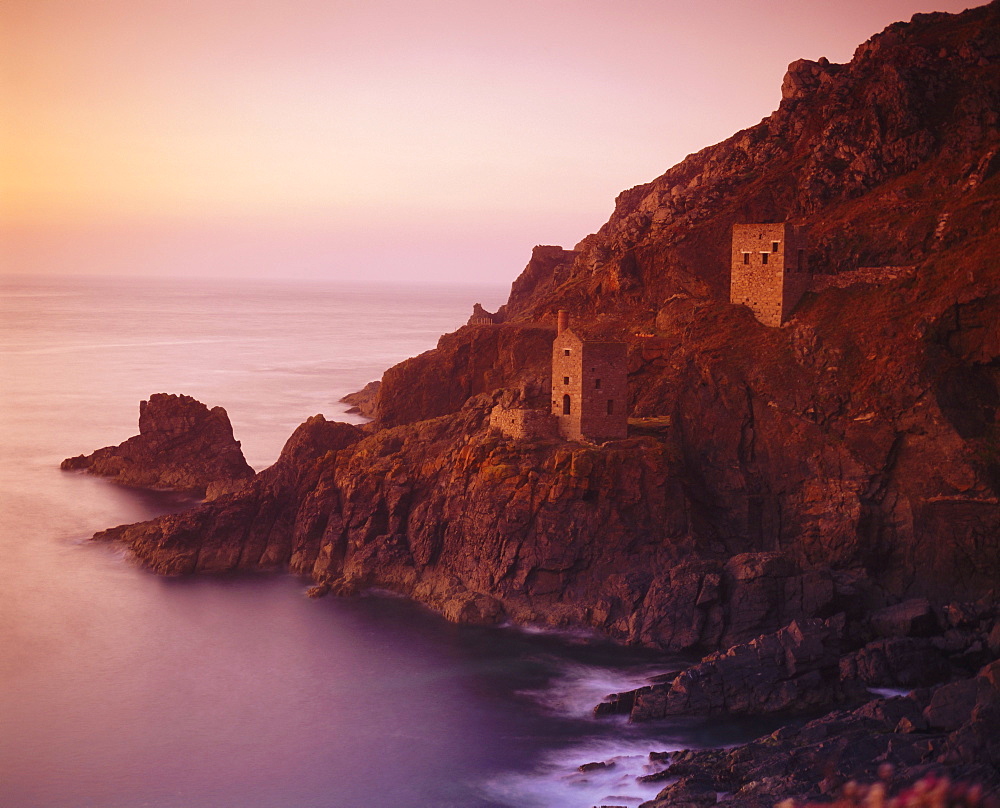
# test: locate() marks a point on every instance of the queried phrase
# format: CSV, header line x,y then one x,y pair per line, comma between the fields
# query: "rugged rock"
x,y
817,759
181,445
898,662
910,618
863,434
483,528
363,401
793,669
472,360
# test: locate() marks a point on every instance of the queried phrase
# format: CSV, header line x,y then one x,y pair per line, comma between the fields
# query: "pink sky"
x,y
364,140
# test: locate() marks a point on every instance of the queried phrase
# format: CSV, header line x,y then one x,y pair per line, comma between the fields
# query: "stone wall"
x,y
605,391
869,276
524,424
769,269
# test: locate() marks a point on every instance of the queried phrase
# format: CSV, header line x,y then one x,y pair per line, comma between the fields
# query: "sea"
x,y
121,689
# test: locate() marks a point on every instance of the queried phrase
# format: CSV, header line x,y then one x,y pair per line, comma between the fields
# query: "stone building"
x,y
589,386
482,317
523,423
770,272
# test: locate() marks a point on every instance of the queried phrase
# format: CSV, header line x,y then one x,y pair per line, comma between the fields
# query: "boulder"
x,y
911,618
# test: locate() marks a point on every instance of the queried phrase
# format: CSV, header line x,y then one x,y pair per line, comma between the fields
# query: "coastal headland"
x,y
814,505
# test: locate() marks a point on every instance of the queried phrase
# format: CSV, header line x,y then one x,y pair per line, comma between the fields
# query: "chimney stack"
x,y
562,322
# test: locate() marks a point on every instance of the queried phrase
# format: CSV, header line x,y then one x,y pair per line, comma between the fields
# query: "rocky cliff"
x,y
810,475
864,432
857,443
182,446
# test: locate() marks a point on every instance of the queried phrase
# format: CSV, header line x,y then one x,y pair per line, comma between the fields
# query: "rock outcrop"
x,y
863,434
793,669
182,446
363,401
951,728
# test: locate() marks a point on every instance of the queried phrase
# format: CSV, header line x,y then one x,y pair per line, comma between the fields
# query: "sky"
x,y
395,140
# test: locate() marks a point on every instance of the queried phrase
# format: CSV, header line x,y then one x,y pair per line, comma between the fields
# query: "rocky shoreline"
x,y
803,664
818,505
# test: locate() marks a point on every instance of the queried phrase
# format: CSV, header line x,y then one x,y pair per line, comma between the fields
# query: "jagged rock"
x,y
816,759
795,668
181,445
363,401
951,705
911,618
896,662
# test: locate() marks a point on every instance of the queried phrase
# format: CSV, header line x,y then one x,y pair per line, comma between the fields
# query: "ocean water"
x,y
121,689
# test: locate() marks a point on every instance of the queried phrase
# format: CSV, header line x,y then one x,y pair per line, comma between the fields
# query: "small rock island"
x,y
182,446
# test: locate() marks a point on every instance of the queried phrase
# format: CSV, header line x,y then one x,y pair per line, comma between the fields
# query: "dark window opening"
x,y
597,384
565,379
763,258
566,405
746,258
774,246
611,407
566,352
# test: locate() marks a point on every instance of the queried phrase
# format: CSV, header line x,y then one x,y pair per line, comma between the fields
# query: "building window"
x,y
611,407
774,246
565,379
597,384
746,258
763,258
566,405
566,352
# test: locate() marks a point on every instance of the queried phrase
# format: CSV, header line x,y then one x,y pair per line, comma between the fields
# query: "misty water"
x,y
122,688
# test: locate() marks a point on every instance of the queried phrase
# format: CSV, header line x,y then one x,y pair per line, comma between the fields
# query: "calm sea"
x,y
122,689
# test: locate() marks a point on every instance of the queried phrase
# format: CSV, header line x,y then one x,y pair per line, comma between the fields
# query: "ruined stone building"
x,y
589,386
482,317
770,272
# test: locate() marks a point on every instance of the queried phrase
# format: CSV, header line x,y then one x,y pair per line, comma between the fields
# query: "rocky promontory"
x,y
818,508
182,445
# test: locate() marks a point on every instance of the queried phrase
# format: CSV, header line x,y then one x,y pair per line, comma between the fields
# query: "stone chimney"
x,y
562,321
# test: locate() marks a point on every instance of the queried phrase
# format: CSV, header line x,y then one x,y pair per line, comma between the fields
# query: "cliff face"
x,y
484,528
181,445
864,432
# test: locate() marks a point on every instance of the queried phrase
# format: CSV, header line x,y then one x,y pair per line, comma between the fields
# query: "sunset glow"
x,y
405,137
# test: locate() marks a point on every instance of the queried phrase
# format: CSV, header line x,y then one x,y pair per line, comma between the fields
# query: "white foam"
x,y
557,782
580,688
888,692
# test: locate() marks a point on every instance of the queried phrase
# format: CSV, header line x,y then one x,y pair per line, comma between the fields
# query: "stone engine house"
x,y
770,271
589,386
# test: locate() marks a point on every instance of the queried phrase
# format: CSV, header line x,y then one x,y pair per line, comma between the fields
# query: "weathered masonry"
x,y
770,271
589,386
